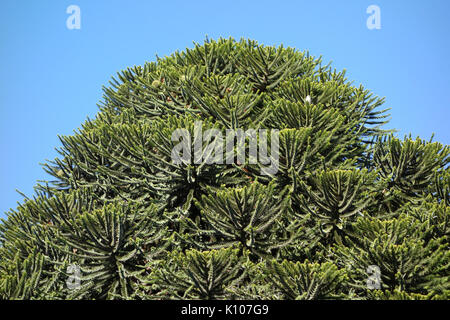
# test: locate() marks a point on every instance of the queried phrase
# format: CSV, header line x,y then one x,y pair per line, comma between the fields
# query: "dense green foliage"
x,y
348,196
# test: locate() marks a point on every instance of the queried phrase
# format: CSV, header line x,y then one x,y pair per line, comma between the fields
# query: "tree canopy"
x,y
349,201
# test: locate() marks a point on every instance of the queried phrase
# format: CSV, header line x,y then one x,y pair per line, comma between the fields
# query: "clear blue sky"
x,y
51,77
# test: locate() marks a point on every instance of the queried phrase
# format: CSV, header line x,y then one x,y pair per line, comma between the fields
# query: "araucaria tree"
x,y
352,212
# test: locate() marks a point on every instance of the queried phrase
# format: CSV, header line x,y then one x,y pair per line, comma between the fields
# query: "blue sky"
x,y
51,77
